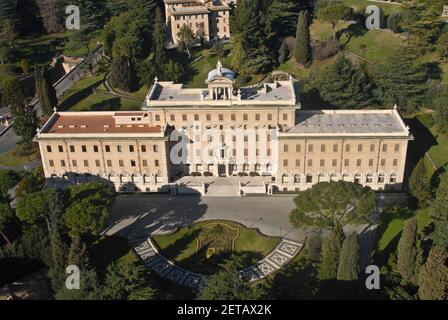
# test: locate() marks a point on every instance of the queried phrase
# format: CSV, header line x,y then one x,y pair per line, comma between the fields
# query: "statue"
x,y
219,67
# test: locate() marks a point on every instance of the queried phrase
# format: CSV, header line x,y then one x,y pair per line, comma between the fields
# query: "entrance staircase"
x,y
222,187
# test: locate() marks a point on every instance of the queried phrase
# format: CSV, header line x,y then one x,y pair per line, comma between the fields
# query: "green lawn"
x,y
12,158
182,246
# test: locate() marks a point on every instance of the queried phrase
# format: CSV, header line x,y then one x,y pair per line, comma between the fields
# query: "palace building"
x,y
257,133
208,19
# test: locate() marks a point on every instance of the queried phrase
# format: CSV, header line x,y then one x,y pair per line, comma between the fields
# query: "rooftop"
x,y
99,123
365,122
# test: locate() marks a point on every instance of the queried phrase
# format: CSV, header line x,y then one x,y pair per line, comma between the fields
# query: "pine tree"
x,y
228,284
348,268
419,183
433,277
407,251
302,50
25,122
439,213
45,93
343,84
281,17
8,12
52,13
401,80
331,249
122,75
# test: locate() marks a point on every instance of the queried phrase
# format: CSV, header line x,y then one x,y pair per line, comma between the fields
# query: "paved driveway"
x,y
140,215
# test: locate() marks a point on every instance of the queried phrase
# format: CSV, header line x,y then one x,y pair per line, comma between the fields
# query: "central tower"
x,y
220,83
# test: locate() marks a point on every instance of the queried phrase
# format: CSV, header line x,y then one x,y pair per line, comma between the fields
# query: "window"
x,y
383,162
297,162
95,148
346,162
370,162
131,148
233,117
310,148
297,179
335,148
381,178
245,117
83,149
196,117
393,178
309,179
358,179
285,178
86,163
246,152
157,117
285,148
72,149
358,162
359,147
221,117
372,148
395,162
172,117
184,117
347,148
119,149
246,139
51,162
133,163
369,178
143,147
397,147
285,162
257,117
61,148
322,148
298,147
145,163
156,163
62,163
322,163
97,163
74,163
334,162
384,147
121,163
285,117
269,117
268,152
109,163
310,163
208,117
48,148
107,148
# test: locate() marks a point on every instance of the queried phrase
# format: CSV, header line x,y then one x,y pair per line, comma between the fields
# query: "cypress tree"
x,y
122,75
45,93
159,40
348,268
331,249
439,213
302,51
419,183
433,277
407,251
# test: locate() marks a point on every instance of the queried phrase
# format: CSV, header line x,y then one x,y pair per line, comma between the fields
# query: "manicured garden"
x,y
201,247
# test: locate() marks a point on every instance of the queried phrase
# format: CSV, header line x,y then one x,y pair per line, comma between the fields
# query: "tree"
x,y
45,93
439,213
25,66
8,38
330,203
52,13
122,74
228,283
85,218
333,13
88,286
401,80
15,96
238,58
331,250
419,183
6,216
343,84
174,71
348,268
441,112
281,17
302,50
125,281
442,46
433,277
31,207
159,39
407,251
95,192
186,37
8,180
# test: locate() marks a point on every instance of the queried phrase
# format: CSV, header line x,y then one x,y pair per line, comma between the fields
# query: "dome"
x,y
220,72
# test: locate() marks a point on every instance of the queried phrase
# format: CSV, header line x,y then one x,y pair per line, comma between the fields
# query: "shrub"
x,y
313,248
196,174
394,22
254,174
325,49
208,174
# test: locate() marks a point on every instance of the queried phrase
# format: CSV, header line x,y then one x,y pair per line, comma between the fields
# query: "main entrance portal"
x,y
222,170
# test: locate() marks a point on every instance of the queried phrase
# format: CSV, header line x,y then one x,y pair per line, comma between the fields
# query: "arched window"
x,y
332,177
358,178
309,179
369,178
285,178
393,178
381,178
297,179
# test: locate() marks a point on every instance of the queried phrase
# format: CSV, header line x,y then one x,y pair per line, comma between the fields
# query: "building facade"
x,y
222,131
208,19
